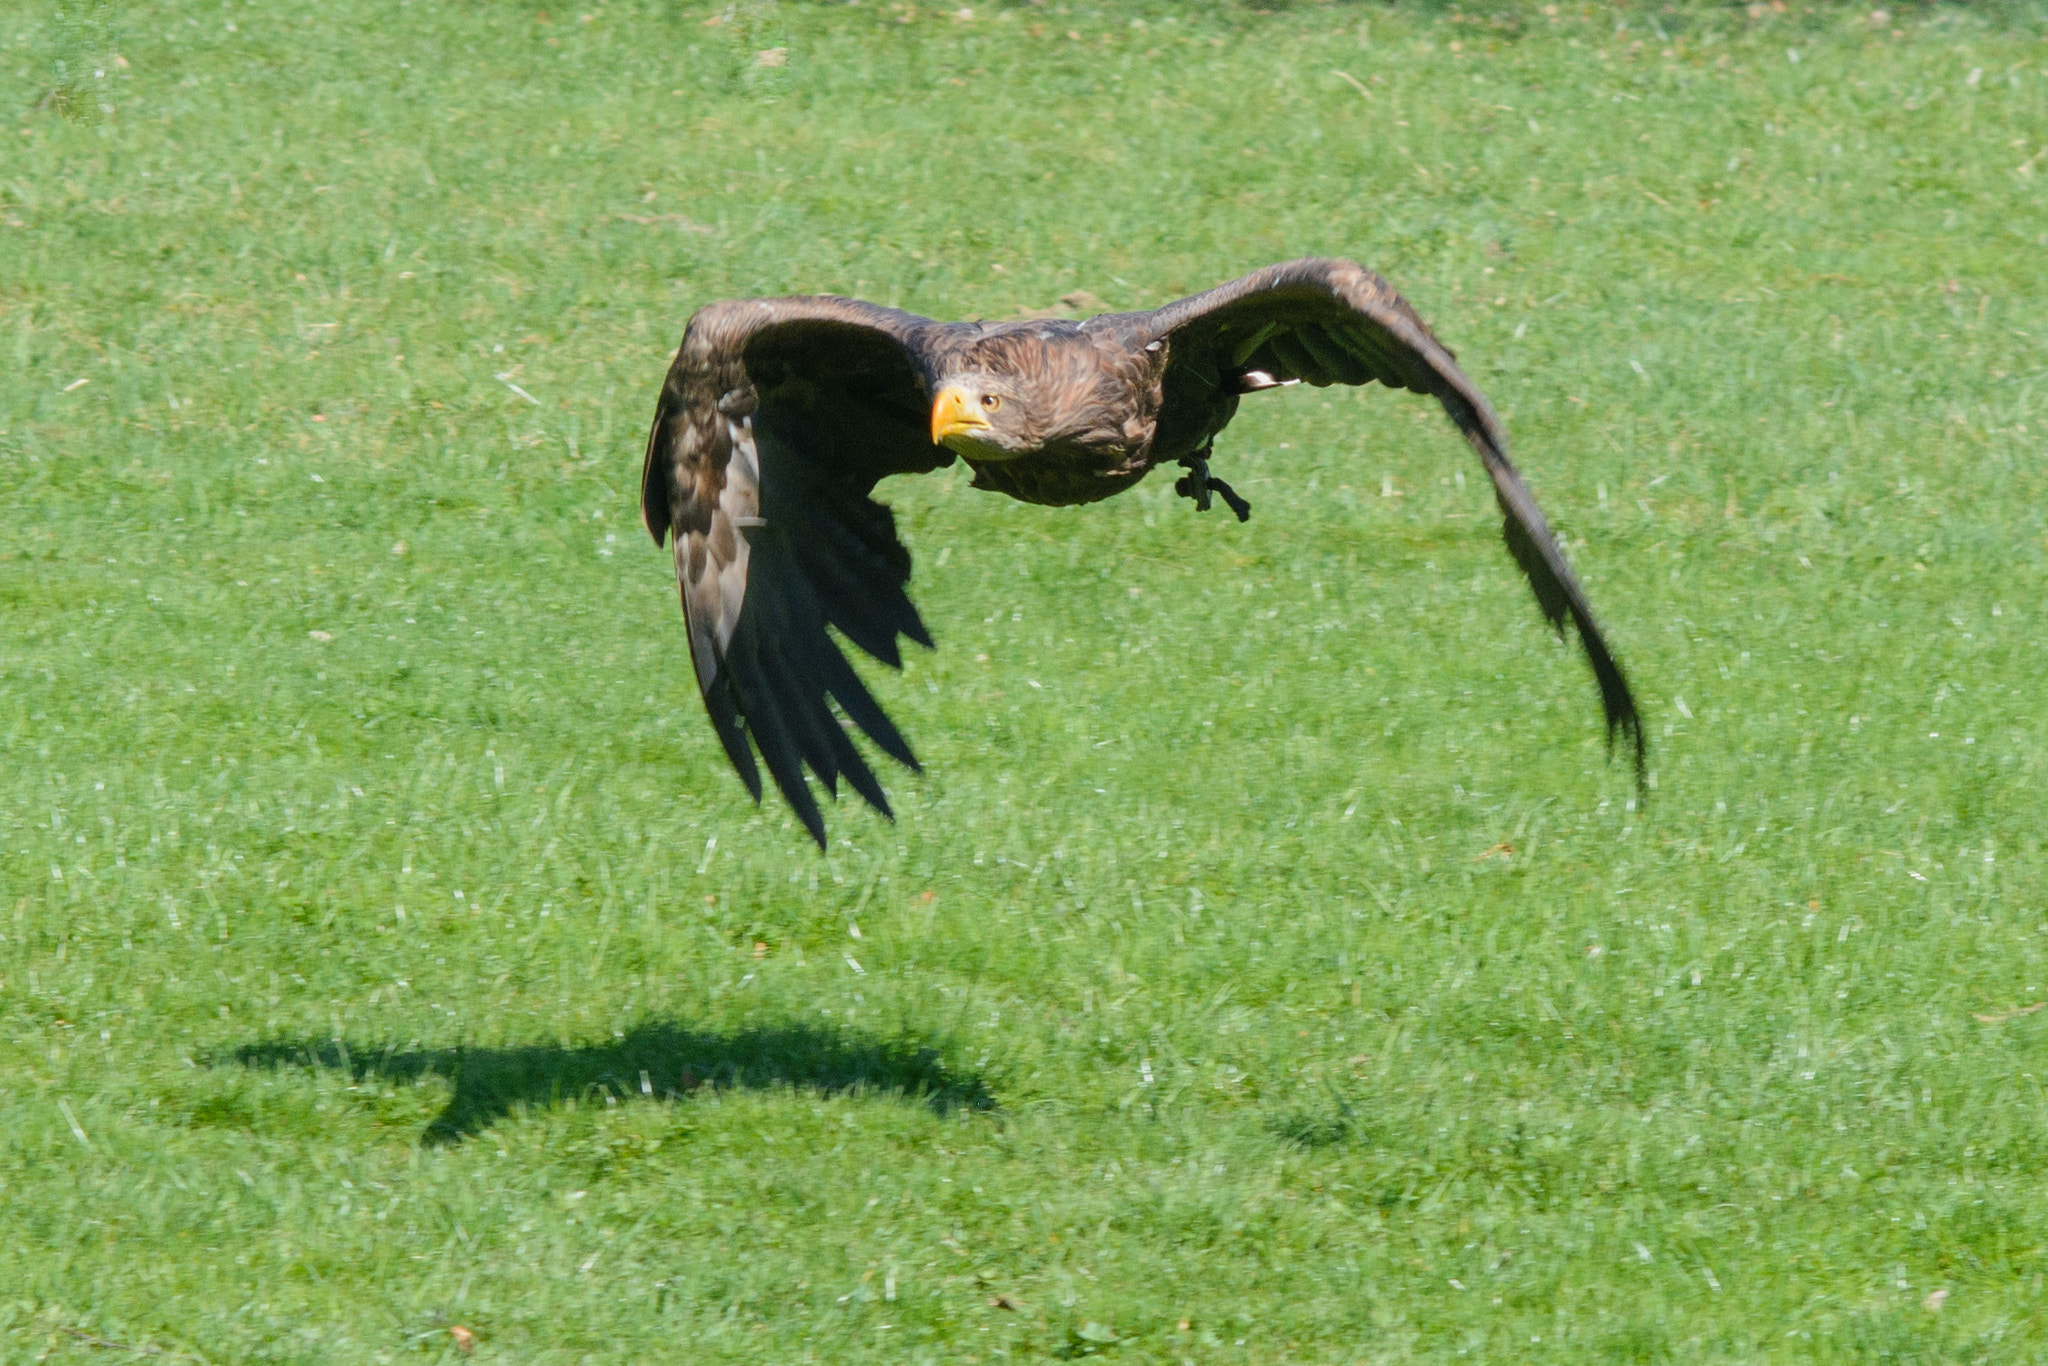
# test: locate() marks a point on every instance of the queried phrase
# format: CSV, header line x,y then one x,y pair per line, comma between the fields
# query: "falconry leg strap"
x,y
1198,484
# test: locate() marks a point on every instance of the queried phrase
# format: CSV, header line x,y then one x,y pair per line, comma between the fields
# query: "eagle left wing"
x,y
1335,322
776,421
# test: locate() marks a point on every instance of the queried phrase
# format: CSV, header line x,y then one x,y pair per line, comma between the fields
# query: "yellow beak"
x,y
951,416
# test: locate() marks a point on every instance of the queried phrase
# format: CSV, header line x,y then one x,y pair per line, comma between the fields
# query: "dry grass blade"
x,y
2001,1016
142,1349
1353,82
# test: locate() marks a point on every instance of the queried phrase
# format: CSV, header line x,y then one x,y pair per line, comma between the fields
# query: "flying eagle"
x,y
779,416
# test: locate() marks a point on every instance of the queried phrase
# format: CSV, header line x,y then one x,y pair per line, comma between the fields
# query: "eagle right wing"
x,y
774,424
1334,322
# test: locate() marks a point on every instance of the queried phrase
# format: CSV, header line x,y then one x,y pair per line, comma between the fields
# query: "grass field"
x,y
387,949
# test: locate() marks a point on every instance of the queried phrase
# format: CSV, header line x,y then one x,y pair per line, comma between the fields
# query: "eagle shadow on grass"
x,y
659,1060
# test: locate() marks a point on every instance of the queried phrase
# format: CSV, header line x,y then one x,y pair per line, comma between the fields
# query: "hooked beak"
x,y
951,416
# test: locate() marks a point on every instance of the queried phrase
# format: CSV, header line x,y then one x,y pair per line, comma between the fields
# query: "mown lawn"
x,y
1270,966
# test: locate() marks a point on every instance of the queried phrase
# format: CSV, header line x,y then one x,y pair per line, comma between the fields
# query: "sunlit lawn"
x,y
1270,965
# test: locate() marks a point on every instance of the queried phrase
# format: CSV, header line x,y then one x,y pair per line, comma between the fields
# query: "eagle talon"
x,y
1230,496
1198,484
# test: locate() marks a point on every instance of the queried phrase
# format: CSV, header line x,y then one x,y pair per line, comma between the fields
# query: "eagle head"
x,y
983,418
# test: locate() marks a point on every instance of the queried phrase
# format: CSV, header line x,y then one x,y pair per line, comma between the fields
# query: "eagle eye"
x,y
991,402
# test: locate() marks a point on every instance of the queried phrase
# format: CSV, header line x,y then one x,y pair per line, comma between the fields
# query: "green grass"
x,y
386,946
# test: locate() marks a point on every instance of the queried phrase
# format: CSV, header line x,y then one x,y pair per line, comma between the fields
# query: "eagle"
x,y
779,416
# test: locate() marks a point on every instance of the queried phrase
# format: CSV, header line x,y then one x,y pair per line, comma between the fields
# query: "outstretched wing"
x,y
776,420
1334,322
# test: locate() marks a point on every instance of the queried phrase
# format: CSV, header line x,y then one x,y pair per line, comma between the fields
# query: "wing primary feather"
x,y
1296,359
857,621
795,633
810,721
1550,594
795,725
859,776
1557,590
732,731
833,572
1243,351
861,708
800,686
913,626
868,612
1331,356
771,731
1374,351
863,592
818,735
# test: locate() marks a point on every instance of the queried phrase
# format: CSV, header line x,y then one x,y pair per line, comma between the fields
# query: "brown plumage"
x,y
779,416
